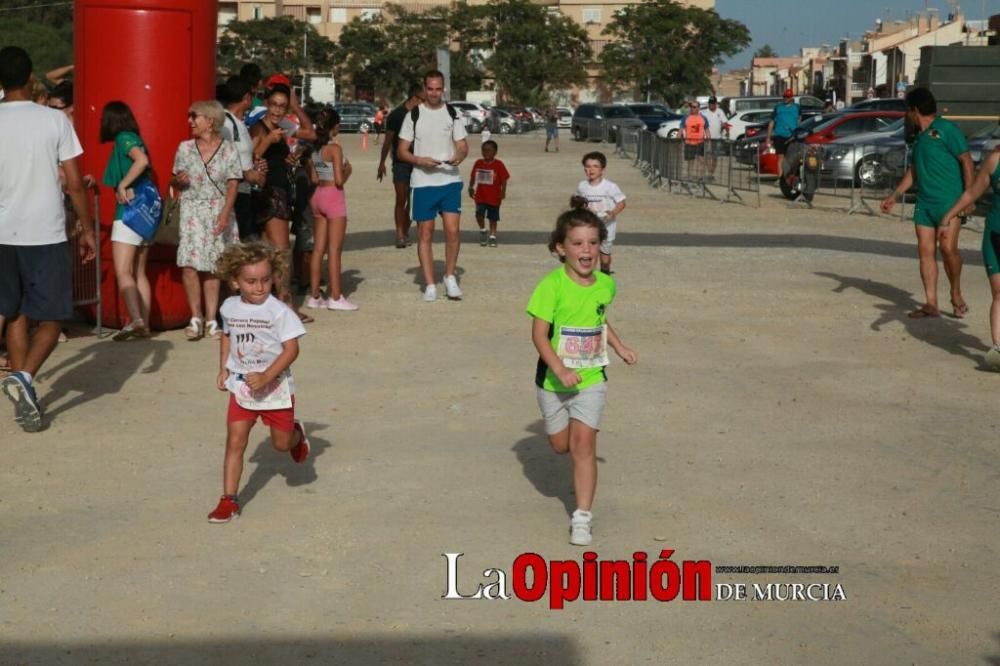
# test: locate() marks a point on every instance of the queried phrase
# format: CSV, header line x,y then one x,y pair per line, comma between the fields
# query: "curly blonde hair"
x,y
238,255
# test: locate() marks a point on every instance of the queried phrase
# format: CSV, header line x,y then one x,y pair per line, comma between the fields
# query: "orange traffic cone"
x,y
364,138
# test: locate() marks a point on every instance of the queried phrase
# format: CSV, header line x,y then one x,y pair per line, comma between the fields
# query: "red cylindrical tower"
x,y
157,56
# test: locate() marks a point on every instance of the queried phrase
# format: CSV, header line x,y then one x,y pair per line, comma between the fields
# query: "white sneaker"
x,y
993,357
340,304
580,527
451,286
430,293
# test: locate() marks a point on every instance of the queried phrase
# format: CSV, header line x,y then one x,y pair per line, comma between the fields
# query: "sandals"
x,y
961,309
922,313
212,330
195,329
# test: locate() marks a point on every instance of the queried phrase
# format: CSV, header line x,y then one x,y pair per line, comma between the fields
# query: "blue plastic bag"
x,y
143,212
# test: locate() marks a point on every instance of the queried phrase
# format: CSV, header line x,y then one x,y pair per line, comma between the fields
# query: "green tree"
x,y
534,51
766,51
279,44
390,52
45,32
667,50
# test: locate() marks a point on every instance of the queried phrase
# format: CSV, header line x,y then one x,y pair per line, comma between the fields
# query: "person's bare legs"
x,y
995,309
927,252
210,287
142,282
320,226
338,229
401,211
276,233
237,435
452,241
192,289
583,449
425,250
123,255
952,260
28,354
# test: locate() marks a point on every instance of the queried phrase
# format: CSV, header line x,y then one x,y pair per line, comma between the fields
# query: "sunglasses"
x,y
192,115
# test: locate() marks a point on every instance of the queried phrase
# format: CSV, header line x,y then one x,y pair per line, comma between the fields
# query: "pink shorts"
x,y
329,202
282,420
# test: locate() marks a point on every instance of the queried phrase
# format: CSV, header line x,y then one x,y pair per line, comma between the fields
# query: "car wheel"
x,y
365,127
577,133
673,134
504,128
475,127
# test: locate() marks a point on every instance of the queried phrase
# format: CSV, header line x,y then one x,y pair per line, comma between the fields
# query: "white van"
x,y
733,105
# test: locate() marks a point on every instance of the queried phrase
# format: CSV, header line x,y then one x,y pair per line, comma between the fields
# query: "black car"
x,y
356,117
601,122
653,114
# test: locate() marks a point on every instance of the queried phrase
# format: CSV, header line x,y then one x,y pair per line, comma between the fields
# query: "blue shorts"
x,y
491,213
552,133
36,281
428,201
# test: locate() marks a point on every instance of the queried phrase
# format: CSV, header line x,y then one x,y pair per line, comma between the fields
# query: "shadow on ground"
x,y
551,474
833,242
99,369
517,649
944,332
272,463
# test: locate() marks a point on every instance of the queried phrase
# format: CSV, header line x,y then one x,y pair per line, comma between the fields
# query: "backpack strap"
x,y
415,113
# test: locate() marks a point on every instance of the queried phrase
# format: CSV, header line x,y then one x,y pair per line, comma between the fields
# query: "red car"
x,y
841,125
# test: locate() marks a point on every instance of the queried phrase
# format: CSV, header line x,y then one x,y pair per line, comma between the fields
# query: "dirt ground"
x,y
784,411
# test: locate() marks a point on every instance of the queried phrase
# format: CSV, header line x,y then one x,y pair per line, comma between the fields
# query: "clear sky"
x,y
788,25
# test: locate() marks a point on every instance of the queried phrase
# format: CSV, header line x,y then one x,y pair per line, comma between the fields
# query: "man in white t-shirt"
x,y
604,198
432,139
35,263
237,100
716,118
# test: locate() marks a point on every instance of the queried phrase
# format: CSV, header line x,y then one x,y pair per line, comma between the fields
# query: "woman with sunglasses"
x,y
271,143
207,171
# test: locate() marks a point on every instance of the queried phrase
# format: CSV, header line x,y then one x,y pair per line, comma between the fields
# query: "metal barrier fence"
x,y
711,170
87,276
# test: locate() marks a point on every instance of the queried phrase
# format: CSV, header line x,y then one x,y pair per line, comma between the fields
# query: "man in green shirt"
x,y
942,169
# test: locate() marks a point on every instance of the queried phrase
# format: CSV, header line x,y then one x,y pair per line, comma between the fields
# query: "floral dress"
x,y
202,201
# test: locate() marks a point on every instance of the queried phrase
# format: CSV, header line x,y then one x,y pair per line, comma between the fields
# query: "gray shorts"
x,y
585,406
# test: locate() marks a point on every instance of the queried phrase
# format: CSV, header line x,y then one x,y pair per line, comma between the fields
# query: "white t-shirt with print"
x,y
256,333
602,197
716,119
436,137
243,143
33,140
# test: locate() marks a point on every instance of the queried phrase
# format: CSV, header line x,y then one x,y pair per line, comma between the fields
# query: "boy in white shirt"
x,y
604,198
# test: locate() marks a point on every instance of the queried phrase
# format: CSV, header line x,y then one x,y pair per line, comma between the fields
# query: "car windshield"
x,y
893,126
647,110
988,132
618,112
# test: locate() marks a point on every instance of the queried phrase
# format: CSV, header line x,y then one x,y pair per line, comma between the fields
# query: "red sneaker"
x,y
300,451
227,509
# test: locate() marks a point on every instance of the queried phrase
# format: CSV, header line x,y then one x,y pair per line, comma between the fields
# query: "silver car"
x,y
844,159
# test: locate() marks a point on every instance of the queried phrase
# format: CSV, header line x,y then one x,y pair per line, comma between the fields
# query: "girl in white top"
x,y
329,205
259,344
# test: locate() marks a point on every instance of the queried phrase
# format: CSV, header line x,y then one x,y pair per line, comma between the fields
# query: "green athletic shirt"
x,y
119,163
993,217
562,302
936,165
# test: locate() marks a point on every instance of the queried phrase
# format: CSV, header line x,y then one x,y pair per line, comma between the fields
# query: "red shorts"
x,y
282,420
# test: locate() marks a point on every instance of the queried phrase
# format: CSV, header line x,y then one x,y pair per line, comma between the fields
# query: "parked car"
x,y
738,122
733,105
522,115
653,114
884,104
565,116
537,117
507,123
601,122
840,125
475,115
356,116
844,159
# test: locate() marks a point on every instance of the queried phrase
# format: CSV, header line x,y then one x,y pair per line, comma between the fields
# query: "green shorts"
x,y
991,252
928,216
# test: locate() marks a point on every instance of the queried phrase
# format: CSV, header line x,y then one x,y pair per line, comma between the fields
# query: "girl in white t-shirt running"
x,y
259,344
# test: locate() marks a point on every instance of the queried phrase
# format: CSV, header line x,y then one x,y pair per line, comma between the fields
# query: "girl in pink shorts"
x,y
330,171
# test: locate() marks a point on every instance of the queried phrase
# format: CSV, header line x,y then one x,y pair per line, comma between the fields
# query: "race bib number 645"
x,y
583,347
